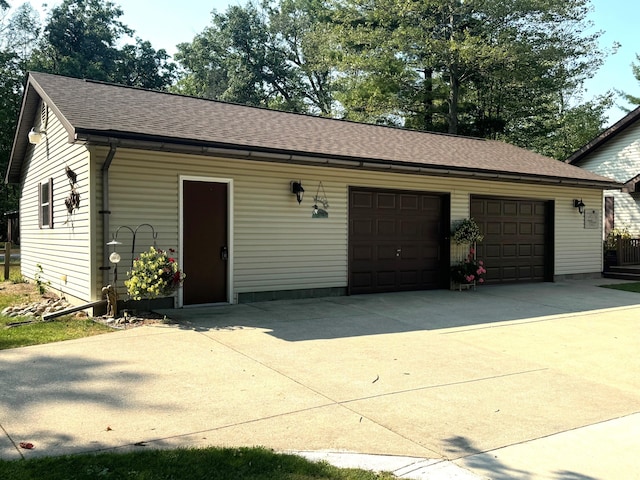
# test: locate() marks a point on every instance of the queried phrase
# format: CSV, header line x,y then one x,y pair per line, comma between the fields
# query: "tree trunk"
x,y
454,94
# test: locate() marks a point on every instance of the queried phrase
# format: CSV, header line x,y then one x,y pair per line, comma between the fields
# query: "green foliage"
x,y
468,271
270,55
635,69
81,40
626,287
219,463
490,69
18,34
611,242
41,284
466,231
154,274
39,332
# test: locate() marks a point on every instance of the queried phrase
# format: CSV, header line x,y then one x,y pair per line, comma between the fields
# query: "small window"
x,y
45,202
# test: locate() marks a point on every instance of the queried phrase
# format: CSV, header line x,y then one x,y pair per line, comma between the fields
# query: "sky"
x,y
166,23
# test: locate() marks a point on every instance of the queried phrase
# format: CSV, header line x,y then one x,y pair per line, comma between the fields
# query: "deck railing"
x,y
628,251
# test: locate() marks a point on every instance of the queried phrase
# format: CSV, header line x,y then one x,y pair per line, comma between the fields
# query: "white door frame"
x,y
230,222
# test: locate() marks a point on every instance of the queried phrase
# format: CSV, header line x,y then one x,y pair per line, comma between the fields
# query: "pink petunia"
x,y
481,280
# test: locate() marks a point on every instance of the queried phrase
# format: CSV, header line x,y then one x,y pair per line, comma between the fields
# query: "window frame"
x,y
45,205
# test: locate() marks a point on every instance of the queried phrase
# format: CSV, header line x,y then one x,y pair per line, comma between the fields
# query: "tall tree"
x,y
270,55
635,68
81,40
17,36
465,66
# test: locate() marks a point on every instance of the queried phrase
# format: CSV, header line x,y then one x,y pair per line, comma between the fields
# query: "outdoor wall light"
x,y
297,190
579,204
36,136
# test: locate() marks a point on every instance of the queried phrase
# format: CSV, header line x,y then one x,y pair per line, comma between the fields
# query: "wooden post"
x,y
7,259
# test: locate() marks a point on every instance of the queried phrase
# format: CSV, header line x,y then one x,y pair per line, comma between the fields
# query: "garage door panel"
x,y
361,200
515,241
525,250
386,252
410,228
509,228
493,228
509,209
409,277
409,202
386,227
362,253
404,244
361,228
526,209
386,201
386,279
493,208
526,229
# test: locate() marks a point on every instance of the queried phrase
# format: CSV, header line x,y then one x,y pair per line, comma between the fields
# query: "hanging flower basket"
x,y
154,274
466,231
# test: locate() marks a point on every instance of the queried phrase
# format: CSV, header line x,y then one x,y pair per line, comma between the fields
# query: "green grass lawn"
x,y
627,287
16,292
187,464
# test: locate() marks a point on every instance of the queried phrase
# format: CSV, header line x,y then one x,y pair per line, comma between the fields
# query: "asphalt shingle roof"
x,y
101,109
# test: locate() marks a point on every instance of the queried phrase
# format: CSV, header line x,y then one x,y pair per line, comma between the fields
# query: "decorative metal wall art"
x,y
317,211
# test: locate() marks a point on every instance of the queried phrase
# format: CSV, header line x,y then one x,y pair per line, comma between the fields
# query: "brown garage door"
x,y
517,245
395,240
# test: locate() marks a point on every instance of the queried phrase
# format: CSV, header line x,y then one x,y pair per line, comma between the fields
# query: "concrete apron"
x,y
527,381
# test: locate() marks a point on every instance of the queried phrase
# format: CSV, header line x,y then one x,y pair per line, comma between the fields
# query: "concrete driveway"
x,y
526,381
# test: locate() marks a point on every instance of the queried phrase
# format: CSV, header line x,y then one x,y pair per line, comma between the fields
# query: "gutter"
x,y
105,212
344,162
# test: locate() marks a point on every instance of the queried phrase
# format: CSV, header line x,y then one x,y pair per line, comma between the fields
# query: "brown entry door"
x,y
205,242
395,240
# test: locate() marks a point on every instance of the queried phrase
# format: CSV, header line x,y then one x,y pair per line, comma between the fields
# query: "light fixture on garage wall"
x,y
297,190
579,204
36,136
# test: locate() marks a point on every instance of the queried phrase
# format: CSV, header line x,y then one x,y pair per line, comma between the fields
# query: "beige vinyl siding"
x,y
64,250
277,245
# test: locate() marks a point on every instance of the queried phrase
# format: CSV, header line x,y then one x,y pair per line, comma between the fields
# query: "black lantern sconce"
x,y
297,190
579,204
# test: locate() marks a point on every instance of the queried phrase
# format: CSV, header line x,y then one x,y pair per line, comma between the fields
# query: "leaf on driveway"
x,y
27,445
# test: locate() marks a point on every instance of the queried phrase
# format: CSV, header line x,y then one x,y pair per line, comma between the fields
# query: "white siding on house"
x,y
619,158
64,250
278,246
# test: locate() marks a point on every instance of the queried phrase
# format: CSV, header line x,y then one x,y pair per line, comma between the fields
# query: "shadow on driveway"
x,y
360,315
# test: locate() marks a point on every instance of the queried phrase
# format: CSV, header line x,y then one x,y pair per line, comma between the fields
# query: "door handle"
x,y
224,253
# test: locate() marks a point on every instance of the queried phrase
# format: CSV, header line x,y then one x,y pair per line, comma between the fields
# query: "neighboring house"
x,y
615,153
214,180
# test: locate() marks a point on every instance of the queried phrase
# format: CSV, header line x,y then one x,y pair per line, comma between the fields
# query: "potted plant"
x,y
468,272
154,274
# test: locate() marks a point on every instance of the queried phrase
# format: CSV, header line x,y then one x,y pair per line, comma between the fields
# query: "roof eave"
x,y
611,132
144,142
31,97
